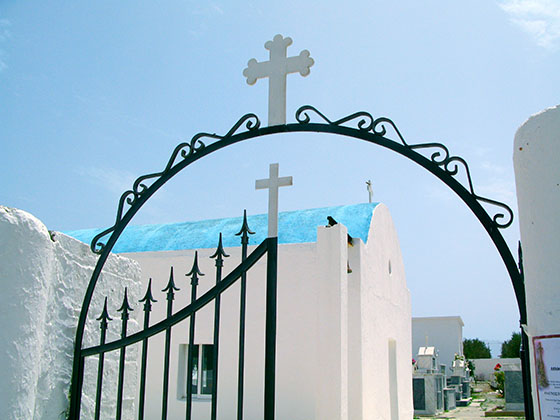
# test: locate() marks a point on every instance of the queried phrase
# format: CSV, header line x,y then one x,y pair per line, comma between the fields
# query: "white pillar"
x,y
43,284
356,332
27,264
332,324
536,161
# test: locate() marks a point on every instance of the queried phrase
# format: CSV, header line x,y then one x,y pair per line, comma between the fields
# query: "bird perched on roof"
x,y
333,222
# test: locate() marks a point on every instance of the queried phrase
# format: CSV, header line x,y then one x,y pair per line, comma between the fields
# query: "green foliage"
x,y
510,348
471,367
500,380
473,348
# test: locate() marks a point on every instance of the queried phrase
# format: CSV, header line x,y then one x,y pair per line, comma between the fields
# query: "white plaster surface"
x,y
484,368
385,320
537,177
43,283
445,333
334,329
331,369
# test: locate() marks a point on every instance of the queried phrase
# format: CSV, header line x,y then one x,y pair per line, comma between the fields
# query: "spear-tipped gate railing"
x,y
194,273
268,246
244,233
124,309
170,289
148,299
219,256
104,319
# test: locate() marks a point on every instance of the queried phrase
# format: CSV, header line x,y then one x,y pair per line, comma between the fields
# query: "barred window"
x,y
202,370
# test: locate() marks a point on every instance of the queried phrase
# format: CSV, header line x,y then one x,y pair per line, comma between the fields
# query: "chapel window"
x,y
203,369
202,372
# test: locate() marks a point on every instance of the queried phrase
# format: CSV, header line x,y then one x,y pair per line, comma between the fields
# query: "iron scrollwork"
x,y
439,156
437,153
182,152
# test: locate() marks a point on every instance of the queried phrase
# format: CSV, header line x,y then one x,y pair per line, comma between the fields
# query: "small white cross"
x,y
273,183
369,189
276,70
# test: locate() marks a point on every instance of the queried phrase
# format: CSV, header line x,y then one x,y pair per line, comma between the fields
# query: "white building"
x,y
445,333
343,339
537,179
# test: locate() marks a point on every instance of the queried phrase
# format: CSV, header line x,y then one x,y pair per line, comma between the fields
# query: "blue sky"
x,y
95,94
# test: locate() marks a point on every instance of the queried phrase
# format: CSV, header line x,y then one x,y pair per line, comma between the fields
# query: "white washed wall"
x,y
385,319
445,333
296,339
537,177
484,368
43,283
318,339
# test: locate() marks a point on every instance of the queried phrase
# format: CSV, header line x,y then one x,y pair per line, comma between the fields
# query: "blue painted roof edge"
x,y
298,226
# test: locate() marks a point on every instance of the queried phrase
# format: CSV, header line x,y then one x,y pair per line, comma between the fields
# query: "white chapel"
x,y
344,315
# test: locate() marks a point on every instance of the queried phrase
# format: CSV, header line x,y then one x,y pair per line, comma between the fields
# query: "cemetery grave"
x,y
486,403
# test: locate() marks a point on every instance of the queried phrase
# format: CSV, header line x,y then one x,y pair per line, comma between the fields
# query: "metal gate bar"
x,y
166,325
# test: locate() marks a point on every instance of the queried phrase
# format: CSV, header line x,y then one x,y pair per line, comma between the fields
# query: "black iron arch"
x,y
434,157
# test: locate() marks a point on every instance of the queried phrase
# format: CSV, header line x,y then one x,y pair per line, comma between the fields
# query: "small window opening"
x,y
202,372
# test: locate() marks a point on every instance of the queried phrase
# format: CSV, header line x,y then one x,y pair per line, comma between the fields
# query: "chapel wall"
x,y
334,328
386,315
297,351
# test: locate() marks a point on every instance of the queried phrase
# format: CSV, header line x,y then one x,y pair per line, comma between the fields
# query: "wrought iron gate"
x,y
269,248
434,157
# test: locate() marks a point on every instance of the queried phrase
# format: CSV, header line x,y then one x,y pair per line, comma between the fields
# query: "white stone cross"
x,y
273,183
276,70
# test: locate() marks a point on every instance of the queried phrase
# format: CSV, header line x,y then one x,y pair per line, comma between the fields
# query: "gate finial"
x,y
125,307
104,317
195,271
220,254
170,288
276,69
245,231
148,298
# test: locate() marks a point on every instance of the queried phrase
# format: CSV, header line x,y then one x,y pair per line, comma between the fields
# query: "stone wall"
x,y
44,277
484,368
